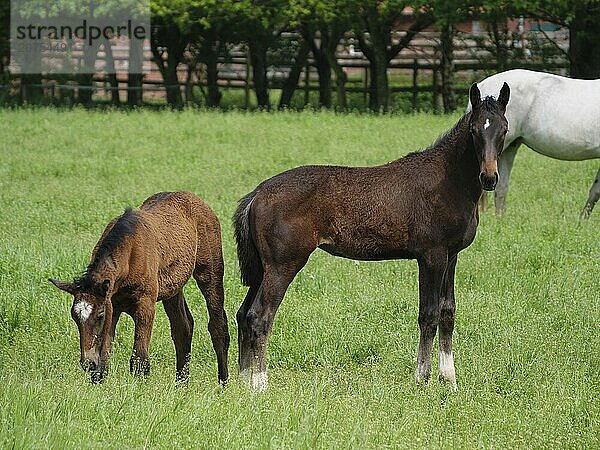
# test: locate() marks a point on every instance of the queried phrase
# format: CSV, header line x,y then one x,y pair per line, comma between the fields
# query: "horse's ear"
x,y
504,95
63,286
474,96
105,287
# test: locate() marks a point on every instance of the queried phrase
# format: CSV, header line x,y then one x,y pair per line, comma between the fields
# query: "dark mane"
x,y
445,139
124,226
450,137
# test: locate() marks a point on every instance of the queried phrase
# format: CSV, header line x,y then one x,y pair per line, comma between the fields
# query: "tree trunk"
x,y
85,80
377,54
291,82
169,37
584,38
324,71
135,77
447,63
84,88
330,50
258,58
172,87
382,88
31,89
212,74
498,39
112,73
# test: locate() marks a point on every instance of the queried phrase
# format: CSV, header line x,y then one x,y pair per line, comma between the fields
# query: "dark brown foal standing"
x,y
422,206
146,256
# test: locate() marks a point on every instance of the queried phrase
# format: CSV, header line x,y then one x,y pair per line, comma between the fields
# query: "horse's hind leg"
x,y
245,352
505,163
210,281
593,197
259,322
182,330
446,326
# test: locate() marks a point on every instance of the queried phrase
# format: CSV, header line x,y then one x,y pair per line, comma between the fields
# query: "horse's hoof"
x,y
451,382
585,214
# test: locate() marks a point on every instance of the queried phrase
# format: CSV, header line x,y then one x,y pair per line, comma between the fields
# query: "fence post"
x,y
415,90
247,80
366,86
434,88
307,83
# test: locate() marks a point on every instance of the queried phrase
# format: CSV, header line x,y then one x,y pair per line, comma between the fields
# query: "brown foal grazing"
x,y
422,206
146,256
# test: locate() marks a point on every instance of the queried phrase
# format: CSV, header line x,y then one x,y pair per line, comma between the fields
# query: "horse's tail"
x,y
250,263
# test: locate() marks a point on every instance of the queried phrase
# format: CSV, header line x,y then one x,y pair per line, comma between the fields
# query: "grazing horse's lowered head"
x,y
144,257
91,306
488,127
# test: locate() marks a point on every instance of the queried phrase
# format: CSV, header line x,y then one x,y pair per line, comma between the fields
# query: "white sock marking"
x,y
83,309
256,381
259,381
447,368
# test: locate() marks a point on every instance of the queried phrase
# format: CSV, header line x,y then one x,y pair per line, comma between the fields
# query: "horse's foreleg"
x,y
431,274
505,164
143,317
211,285
259,320
107,345
446,326
182,329
593,197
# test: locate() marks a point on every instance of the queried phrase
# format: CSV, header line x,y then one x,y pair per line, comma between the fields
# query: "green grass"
x,y
343,348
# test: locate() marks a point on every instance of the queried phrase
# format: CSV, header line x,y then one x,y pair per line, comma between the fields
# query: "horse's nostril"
x,y
488,182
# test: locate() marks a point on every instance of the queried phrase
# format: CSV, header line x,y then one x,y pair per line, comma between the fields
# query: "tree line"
x,y
198,32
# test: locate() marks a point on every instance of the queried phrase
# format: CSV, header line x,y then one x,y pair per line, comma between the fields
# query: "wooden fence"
x,y
418,66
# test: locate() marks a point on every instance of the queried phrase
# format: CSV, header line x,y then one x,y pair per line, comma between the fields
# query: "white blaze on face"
x,y
486,124
83,309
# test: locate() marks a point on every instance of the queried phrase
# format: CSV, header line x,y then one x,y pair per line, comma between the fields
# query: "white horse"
x,y
553,115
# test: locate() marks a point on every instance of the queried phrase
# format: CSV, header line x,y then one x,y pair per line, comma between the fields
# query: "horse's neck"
x,y
106,267
463,173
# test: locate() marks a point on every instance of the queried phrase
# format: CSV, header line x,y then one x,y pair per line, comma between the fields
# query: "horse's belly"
x,y
366,244
568,148
173,277
569,130
367,253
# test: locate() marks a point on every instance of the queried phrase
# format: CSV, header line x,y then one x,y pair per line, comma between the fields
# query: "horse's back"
x,y
555,116
180,226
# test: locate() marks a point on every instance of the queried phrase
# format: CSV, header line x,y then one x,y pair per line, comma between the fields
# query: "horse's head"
x,y
488,127
90,309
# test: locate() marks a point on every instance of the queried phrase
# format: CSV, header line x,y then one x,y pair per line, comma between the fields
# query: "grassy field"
x,y
343,348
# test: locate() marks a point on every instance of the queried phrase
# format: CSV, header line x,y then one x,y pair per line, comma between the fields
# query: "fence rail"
x,y
418,65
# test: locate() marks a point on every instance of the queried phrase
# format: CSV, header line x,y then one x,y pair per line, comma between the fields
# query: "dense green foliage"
x,y
343,348
200,33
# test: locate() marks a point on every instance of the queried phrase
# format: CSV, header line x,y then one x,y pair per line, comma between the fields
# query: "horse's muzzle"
x,y
488,182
